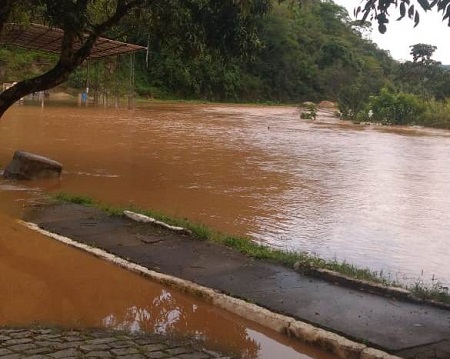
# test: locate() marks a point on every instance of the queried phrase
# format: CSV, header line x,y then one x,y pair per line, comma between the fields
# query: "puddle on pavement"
x,y
46,282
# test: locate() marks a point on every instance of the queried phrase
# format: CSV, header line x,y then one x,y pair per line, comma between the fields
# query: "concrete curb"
x,y
322,273
342,347
145,219
374,288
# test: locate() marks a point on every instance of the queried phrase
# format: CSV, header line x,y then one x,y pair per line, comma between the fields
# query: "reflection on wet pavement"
x,y
49,283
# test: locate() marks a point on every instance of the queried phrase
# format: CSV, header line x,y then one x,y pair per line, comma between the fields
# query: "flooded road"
x,y
48,283
375,197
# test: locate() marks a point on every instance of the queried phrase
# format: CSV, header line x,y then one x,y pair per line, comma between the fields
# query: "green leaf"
x,y
424,4
402,10
411,11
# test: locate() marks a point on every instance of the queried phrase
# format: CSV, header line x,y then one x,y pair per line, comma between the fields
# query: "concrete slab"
x,y
439,350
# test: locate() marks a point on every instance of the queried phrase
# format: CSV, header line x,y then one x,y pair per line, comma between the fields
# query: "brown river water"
x,y
376,197
373,196
45,282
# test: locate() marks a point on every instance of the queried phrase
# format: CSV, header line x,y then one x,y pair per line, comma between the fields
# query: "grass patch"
x,y
305,261
84,200
433,291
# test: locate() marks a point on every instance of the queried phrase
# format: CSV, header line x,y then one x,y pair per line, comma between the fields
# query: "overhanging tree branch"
x,y
122,9
378,10
70,55
83,22
68,62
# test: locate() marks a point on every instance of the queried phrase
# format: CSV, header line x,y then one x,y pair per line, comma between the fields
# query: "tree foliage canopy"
x,y
260,50
225,24
423,76
379,10
422,53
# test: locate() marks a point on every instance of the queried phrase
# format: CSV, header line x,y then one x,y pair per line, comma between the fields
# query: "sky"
x,y
401,34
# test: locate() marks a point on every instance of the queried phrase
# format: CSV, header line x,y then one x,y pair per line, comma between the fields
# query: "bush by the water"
x,y
437,115
309,112
395,109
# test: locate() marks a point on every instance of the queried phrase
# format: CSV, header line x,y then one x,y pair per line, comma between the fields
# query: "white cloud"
x,y
401,34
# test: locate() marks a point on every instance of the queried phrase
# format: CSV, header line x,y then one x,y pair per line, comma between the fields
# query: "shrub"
x,y
437,115
396,109
310,112
351,101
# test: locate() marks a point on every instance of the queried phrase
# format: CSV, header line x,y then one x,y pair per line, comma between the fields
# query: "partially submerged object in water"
x,y
28,166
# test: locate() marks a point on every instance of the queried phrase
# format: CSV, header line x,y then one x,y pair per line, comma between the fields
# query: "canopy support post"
x,y
117,91
131,84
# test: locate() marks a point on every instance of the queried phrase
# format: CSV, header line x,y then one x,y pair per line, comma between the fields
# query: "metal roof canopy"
x,y
47,39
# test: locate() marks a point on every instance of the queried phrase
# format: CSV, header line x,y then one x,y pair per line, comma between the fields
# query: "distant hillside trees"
x,y
308,52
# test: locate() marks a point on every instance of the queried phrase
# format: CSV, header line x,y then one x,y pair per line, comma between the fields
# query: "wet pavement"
x,y
55,343
406,329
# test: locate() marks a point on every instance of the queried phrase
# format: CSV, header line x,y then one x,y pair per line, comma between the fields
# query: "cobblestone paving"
x,y
54,343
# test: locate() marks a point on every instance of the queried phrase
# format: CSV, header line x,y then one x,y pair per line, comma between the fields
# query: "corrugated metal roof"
x,y
44,38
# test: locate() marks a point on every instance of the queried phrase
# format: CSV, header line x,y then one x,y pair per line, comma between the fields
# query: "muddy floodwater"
x,y
376,197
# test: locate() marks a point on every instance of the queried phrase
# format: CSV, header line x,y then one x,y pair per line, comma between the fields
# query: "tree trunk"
x,y
50,79
70,58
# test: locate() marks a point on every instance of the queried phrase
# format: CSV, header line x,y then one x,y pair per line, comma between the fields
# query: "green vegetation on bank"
x,y
390,107
16,63
302,260
416,94
299,52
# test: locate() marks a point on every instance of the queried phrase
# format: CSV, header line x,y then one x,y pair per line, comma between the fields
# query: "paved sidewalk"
x,y
67,344
406,329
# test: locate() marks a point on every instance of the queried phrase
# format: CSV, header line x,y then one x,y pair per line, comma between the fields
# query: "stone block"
x,y
28,166
371,353
341,347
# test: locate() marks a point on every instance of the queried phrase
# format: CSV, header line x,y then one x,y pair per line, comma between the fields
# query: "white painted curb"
x,y
342,347
146,219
